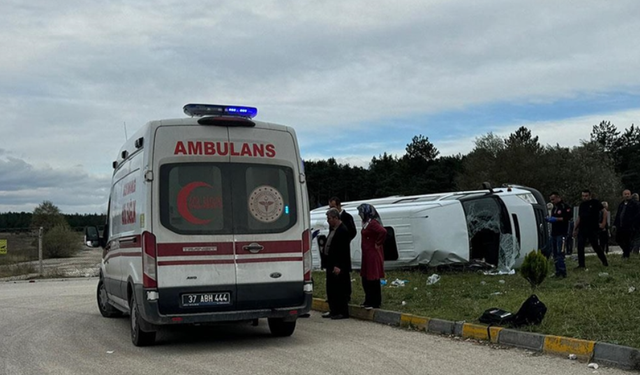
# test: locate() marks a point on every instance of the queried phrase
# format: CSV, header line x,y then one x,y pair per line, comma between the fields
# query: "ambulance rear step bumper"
x,y
149,312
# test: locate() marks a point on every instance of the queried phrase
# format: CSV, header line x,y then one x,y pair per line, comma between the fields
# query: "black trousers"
x,y
624,238
338,292
592,236
372,292
603,237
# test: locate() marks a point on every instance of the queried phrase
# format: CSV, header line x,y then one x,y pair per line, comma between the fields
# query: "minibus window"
x,y
490,234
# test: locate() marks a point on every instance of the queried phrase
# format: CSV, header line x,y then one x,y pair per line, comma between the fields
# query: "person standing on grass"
x,y
587,227
372,239
603,235
625,222
345,217
338,265
635,243
561,214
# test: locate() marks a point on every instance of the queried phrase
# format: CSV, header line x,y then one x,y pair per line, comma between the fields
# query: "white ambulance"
x,y
208,221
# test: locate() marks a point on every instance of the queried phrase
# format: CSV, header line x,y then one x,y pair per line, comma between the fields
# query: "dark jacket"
x,y
347,220
339,251
589,214
563,210
627,218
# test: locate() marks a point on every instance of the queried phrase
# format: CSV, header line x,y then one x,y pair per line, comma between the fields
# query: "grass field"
x,y
599,303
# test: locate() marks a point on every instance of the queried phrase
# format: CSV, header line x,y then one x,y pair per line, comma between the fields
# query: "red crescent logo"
x,y
183,207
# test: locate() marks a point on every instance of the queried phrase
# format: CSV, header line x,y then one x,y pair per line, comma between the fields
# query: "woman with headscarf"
x,y
372,267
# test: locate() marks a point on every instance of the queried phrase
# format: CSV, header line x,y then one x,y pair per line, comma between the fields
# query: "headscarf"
x,y
368,212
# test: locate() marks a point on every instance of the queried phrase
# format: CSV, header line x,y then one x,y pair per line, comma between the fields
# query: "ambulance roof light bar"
x,y
201,110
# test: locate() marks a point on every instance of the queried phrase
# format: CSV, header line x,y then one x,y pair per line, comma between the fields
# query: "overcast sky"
x,y
354,78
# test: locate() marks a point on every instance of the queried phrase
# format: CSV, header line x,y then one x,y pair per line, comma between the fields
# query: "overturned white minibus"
x,y
497,226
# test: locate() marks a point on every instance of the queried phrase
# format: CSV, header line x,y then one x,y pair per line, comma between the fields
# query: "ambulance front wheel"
x,y
104,306
280,328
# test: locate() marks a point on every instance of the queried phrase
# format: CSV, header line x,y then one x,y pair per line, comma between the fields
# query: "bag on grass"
x,y
496,316
532,311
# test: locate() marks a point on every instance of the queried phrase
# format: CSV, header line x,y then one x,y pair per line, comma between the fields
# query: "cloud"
x,y
81,75
72,190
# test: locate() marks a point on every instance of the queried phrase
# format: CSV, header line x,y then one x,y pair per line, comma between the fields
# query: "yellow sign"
x,y
3,247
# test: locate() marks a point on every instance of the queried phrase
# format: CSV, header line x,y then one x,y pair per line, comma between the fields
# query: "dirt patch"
x,y
85,263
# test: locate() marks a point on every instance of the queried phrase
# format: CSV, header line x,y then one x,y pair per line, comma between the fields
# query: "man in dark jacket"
x,y
587,227
345,217
338,265
626,222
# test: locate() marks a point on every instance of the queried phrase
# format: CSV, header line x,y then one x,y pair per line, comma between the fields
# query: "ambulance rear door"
x,y
193,223
269,224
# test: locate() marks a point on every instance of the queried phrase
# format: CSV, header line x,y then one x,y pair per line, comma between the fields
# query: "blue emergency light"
x,y
200,110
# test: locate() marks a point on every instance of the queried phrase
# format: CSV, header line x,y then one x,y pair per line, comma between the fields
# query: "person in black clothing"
x,y
338,265
345,217
603,235
626,222
561,214
587,227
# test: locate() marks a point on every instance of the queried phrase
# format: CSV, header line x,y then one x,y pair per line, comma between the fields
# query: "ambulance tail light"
x,y
306,255
149,266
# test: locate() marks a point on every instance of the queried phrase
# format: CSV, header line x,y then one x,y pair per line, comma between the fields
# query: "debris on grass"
x,y
433,279
632,289
500,273
398,282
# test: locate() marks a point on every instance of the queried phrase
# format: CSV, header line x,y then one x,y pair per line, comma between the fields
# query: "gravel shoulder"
x,y
85,263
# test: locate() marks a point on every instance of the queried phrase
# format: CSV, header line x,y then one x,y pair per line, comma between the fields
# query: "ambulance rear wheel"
x,y
280,328
138,336
104,306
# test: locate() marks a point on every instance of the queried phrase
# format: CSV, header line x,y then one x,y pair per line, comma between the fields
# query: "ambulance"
x,y
208,221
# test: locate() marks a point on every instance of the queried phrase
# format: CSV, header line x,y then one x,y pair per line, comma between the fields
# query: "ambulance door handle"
x,y
253,248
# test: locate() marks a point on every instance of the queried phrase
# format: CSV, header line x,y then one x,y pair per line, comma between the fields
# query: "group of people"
x,y
336,258
592,224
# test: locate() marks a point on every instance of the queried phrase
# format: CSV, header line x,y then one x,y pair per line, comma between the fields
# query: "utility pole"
x,y
40,250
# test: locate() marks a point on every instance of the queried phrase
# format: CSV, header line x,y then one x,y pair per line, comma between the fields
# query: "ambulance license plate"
x,y
206,299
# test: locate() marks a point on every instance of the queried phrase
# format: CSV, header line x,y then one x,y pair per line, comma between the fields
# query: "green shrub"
x,y
534,268
60,242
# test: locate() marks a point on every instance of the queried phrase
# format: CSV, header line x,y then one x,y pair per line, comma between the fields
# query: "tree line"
x,y
23,221
607,162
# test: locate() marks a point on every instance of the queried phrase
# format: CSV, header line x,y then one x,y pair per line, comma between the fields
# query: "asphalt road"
x,y
54,327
